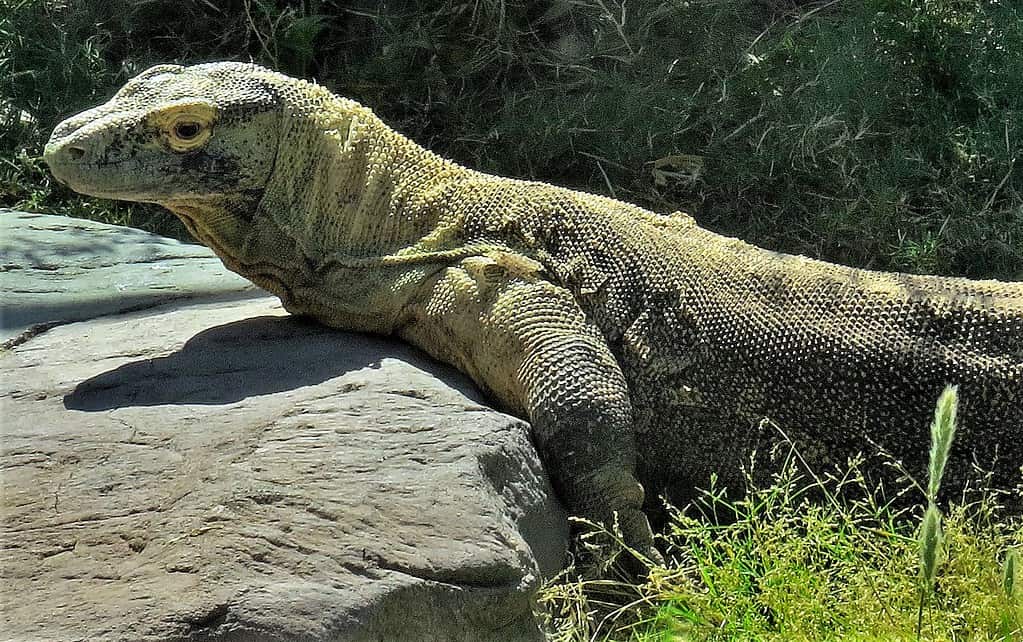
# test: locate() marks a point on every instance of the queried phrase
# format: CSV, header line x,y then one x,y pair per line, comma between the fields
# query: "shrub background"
x,y
881,134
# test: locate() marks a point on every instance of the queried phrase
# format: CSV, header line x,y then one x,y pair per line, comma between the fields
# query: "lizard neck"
x,y
215,219
345,183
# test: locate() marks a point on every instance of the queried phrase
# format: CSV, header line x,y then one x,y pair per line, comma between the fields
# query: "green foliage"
x,y
808,560
789,567
881,133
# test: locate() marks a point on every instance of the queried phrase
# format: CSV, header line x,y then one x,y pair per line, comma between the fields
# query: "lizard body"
x,y
641,347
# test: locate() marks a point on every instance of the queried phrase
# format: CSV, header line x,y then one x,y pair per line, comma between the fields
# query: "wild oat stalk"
x,y
931,537
943,430
1009,571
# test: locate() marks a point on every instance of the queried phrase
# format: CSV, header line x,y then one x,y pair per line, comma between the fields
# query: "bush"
x,y
880,134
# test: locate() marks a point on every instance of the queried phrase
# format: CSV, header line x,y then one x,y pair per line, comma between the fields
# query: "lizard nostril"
x,y
75,153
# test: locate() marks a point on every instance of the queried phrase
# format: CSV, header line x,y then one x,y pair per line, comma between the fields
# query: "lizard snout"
x,y
63,158
78,154
82,139
81,161
58,154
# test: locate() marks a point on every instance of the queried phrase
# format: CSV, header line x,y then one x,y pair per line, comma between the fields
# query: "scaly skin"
x,y
640,347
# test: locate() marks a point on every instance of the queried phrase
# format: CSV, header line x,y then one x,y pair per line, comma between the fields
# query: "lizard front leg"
x,y
528,343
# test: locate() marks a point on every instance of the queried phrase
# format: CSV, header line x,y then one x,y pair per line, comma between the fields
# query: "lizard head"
x,y
173,133
201,141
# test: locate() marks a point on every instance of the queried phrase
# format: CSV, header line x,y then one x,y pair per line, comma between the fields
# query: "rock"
x,y
58,269
213,468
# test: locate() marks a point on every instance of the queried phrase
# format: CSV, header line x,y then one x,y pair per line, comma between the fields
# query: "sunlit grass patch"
x,y
799,562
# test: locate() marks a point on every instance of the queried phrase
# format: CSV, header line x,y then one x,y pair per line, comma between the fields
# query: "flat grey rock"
x,y
215,469
57,269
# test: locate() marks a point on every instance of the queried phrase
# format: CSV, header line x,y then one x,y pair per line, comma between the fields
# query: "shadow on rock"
x,y
231,362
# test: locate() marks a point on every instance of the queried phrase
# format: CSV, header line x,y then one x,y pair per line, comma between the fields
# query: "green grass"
x,y
792,571
789,567
881,133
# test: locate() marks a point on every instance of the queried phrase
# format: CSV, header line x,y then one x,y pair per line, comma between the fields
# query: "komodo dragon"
x,y
639,346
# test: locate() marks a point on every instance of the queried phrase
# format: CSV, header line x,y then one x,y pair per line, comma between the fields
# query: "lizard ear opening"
x,y
185,127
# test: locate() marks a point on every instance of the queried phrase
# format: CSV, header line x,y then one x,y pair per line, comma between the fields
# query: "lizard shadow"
x,y
248,358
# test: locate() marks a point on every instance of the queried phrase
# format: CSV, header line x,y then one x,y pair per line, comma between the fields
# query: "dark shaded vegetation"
x,y
879,133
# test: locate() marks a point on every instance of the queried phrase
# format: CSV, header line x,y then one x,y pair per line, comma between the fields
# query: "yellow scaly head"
x,y
174,134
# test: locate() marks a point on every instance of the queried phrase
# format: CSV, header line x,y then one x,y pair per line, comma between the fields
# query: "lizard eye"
x,y
184,127
187,130
188,133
